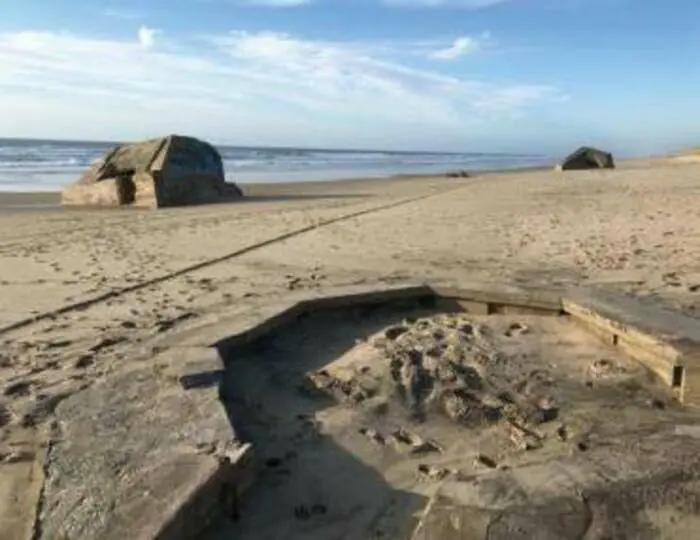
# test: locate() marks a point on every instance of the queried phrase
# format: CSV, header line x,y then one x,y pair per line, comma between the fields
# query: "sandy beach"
x,y
634,227
84,293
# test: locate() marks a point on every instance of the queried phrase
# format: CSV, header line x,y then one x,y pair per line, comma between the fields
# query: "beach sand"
x,y
82,292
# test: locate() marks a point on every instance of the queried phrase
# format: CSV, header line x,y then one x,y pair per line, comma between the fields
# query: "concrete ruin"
x,y
169,171
154,453
587,158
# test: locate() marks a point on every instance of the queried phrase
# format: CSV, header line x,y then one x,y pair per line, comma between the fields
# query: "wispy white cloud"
x,y
461,46
243,85
147,36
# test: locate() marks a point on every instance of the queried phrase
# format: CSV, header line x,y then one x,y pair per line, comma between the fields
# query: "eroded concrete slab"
x,y
645,488
20,492
136,450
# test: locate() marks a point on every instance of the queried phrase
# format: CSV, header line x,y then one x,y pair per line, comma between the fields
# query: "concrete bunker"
x,y
168,171
585,158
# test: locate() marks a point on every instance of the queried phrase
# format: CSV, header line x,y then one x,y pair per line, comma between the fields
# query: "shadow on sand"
x,y
320,478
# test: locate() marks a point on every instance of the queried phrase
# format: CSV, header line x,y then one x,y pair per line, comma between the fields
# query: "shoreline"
x,y
51,200
24,201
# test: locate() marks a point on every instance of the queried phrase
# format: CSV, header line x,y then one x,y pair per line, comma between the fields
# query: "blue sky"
x,y
456,75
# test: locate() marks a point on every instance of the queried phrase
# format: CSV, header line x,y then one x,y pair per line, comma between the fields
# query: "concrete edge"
x,y
261,316
669,348
24,475
213,498
252,318
623,325
216,481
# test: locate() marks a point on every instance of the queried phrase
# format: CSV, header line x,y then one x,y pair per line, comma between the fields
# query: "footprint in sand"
x,y
403,437
524,439
19,389
517,329
84,361
5,361
604,368
5,416
432,473
373,435
482,460
672,279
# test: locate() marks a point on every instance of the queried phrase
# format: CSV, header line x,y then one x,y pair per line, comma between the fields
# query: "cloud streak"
x,y
147,37
461,46
267,82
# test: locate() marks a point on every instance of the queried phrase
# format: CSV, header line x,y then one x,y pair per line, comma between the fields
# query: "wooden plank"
x,y
666,342
690,392
644,322
523,310
622,327
656,361
659,365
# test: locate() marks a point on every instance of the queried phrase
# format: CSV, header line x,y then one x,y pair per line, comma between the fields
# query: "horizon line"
x,y
276,147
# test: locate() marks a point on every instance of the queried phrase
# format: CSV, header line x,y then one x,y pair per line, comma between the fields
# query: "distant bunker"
x,y
587,158
169,171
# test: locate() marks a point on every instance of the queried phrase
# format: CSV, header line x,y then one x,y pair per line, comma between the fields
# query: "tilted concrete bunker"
x,y
169,171
587,157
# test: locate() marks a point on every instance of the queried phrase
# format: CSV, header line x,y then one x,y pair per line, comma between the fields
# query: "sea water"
x,y
42,165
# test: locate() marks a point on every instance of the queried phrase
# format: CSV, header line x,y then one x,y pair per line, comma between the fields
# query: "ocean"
x,y
42,165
